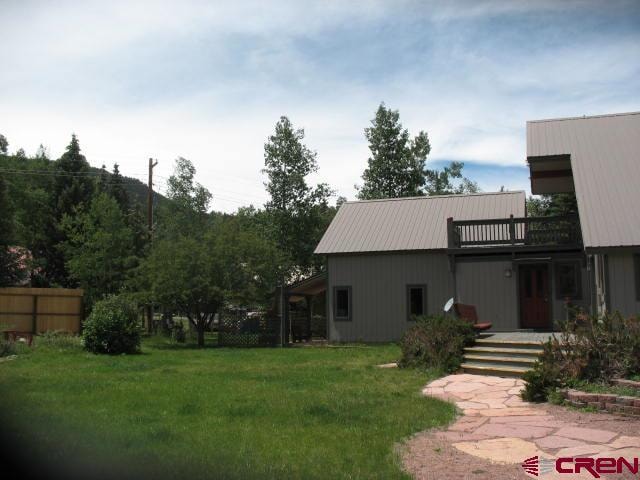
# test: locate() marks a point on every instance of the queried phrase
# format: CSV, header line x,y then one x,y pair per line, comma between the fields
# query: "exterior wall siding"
x,y
622,283
483,284
379,299
378,284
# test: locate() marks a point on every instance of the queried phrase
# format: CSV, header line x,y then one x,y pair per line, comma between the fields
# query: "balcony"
x,y
509,234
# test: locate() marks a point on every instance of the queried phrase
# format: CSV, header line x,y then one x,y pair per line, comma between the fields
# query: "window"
x,y
636,263
568,280
342,303
416,301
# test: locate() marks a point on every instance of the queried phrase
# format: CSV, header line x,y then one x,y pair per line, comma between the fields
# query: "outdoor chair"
x,y
468,313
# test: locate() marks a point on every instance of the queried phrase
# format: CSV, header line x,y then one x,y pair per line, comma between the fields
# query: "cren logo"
x,y
537,466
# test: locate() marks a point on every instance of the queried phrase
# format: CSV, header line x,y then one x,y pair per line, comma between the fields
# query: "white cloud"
x,y
140,79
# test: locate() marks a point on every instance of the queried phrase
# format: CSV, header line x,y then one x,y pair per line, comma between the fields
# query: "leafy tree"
x,y
4,144
10,270
99,248
397,166
196,277
552,205
439,182
295,209
188,210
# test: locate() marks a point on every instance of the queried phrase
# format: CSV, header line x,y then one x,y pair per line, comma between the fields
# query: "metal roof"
x,y
605,160
415,223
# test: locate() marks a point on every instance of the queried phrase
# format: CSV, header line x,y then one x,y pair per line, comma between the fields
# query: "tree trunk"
x,y
200,336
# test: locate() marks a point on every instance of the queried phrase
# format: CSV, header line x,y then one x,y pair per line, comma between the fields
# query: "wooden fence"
x,y
39,310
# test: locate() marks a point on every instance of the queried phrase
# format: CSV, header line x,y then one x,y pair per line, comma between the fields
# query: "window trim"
x,y
636,265
578,277
349,317
423,287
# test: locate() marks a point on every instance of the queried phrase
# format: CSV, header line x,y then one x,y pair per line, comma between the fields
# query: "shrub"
x,y
597,349
112,327
436,342
543,378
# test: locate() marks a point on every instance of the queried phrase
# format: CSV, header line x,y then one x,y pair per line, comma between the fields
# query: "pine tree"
x,y
73,187
102,184
117,190
72,191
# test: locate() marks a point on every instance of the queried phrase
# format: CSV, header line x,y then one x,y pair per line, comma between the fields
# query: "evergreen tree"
x,y
98,248
72,190
102,184
73,187
117,190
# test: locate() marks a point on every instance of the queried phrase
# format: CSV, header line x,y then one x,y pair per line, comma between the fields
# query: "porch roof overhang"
x,y
550,174
310,286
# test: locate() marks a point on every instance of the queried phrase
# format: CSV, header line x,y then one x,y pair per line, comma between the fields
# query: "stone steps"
x,y
503,358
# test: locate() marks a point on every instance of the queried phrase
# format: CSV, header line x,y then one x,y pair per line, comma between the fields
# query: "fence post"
x,y
450,239
34,316
512,230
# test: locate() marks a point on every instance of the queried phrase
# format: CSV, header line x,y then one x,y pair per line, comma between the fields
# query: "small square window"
x,y
416,301
342,303
568,280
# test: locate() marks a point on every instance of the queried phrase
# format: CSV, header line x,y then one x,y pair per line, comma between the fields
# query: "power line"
x,y
68,174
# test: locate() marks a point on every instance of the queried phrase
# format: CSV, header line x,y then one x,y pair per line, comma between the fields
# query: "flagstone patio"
x,y
497,426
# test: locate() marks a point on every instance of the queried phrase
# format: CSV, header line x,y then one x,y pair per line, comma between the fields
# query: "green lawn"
x,y
177,411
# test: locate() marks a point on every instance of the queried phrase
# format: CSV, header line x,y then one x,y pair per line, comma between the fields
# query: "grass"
x,y
177,411
589,387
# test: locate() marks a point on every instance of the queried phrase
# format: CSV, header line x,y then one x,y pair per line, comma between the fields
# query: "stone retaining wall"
x,y
607,402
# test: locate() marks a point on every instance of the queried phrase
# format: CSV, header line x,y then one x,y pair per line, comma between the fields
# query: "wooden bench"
x,y
469,314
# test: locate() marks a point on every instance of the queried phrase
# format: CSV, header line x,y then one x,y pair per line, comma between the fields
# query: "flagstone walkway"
x,y
499,428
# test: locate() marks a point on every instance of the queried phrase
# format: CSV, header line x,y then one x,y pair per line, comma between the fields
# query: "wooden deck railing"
x,y
513,231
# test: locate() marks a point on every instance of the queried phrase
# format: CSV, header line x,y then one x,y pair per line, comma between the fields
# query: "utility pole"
x,y
150,227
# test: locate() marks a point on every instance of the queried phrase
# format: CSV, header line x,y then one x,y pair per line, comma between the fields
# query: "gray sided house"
x,y
388,260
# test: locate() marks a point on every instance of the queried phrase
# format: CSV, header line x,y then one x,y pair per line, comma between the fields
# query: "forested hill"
x,y
17,170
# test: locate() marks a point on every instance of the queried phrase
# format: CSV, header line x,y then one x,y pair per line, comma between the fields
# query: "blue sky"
x,y
208,80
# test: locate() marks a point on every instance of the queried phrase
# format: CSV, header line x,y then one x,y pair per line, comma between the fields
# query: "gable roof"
x,y
605,161
415,223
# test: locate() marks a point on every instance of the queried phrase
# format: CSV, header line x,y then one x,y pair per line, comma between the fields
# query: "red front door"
x,y
534,296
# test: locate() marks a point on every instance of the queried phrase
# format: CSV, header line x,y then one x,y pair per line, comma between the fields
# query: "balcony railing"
x,y
521,232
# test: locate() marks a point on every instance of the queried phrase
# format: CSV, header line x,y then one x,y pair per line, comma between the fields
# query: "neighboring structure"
x,y
388,260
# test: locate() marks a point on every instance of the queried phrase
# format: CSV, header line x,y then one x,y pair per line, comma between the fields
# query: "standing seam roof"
x,y
605,160
416,223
